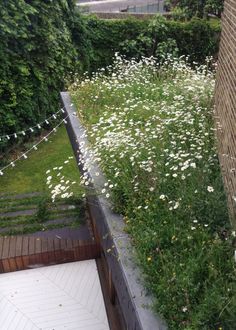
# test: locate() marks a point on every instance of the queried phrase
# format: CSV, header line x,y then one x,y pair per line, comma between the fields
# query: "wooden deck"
x,y
57,297
22,252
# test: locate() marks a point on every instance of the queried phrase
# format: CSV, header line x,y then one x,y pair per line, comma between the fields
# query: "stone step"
x,y
20,196
33,211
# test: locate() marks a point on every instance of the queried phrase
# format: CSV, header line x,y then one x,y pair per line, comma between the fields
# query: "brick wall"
x,y
225,101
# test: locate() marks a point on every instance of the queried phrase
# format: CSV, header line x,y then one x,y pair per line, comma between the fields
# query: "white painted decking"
x,y
66,296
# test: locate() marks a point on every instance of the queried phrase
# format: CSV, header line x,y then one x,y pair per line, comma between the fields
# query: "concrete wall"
x,y
225,101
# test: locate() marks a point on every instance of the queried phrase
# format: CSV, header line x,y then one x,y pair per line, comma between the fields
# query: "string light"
x,y
31,129
34,147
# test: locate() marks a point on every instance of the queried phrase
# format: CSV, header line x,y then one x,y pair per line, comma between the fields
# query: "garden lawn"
x,y
29,175
50,183
152,132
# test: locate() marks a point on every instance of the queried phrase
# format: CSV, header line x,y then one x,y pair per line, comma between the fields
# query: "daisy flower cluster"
x,y
58,185
139,128
151,130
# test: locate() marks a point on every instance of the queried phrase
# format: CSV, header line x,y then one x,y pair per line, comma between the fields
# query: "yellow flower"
x,y
149,258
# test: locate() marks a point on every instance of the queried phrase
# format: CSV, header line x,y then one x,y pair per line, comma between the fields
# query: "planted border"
x,y
135,304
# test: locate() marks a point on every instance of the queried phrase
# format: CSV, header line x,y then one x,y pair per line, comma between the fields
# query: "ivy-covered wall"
x,y
36,56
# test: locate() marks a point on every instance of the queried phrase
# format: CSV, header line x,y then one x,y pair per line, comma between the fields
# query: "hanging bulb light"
x,y
13,164
31,129
54,116
62,110
47,122
35,148
39,126
8,137
1,173
65,121
45,139
23,133
15,135
25,157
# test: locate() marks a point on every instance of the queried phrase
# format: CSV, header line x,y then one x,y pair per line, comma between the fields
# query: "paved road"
x,y
117,5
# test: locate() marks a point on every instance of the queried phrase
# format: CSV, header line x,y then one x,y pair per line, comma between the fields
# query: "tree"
x,y
199,8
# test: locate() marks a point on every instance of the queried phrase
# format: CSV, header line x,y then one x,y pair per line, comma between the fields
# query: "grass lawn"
x,y
29,175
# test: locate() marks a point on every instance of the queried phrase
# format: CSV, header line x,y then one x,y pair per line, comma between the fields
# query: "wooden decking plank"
x,y
25,246
68,250
32,246
69,244
12,254
25,251
51,249
5,255
19,243
19,261
44,250
6,248
38,249
12,247
32,256
57,247
63,244
1,248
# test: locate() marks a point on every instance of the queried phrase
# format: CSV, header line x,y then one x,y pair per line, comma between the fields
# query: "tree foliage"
x,y
199,8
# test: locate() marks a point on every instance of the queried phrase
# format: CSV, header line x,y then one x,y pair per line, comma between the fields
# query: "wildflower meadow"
x,y
151,129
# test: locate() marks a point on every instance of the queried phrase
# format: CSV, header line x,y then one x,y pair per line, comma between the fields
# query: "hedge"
x,y
197,38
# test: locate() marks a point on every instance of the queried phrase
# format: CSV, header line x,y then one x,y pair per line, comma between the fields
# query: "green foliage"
x,y
199,8
106,37
36,55
42,213
135,38
30,174
151,128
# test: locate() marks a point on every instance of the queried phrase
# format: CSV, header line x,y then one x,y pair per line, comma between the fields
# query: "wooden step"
x,y
22,252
